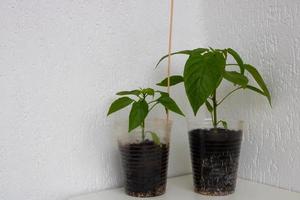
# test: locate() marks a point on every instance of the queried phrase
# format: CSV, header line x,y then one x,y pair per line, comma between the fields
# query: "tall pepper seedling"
x,y
204,71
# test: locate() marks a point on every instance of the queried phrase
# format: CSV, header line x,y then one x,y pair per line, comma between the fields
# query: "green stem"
x,y
228,95
152,101
214,99
232,64
152,106
143,131
143,123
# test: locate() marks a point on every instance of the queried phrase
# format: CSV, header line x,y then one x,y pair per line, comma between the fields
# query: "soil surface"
x,y
215,157
145,168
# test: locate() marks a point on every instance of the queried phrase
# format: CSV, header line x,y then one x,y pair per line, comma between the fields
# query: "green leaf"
x,y
119,104
155,137
211,49
237,58
253,71
162,93
170,104
224,53
186,52
138,113
202,75
224,124
199,51
148,91
132,92
173,81
255,89
208,106
236,78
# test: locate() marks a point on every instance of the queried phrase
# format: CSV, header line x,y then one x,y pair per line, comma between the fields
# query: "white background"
x,y
62,61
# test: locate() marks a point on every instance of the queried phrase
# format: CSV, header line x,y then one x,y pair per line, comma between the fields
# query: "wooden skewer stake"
x,y
170,48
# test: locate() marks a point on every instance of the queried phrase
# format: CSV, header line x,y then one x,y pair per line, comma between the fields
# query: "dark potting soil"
x,y
145,168
215,157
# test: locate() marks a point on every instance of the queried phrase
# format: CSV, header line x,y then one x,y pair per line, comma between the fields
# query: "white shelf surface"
x,y
181,188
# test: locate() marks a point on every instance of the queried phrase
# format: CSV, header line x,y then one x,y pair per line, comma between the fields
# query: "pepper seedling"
x,y
203,73
142,102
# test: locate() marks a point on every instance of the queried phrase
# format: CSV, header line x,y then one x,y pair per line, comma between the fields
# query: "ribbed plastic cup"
x,y
145,163
215,157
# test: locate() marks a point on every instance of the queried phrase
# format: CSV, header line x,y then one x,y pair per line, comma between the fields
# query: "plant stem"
x,y
143,131
143,123
153,106
152,101
214,99
229,95
232,65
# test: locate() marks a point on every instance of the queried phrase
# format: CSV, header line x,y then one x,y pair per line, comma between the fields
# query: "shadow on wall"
x,y
266,33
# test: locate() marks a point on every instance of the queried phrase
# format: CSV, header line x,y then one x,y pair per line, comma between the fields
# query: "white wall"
x,y
62,61
60,64
267,33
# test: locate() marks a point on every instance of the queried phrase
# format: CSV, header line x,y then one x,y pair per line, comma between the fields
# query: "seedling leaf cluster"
x,y
142,101
203,73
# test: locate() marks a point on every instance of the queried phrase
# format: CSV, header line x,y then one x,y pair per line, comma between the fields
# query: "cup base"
x,y
212,193
157,192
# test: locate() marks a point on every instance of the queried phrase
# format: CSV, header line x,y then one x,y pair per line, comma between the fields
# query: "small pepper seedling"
x,y
141,106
